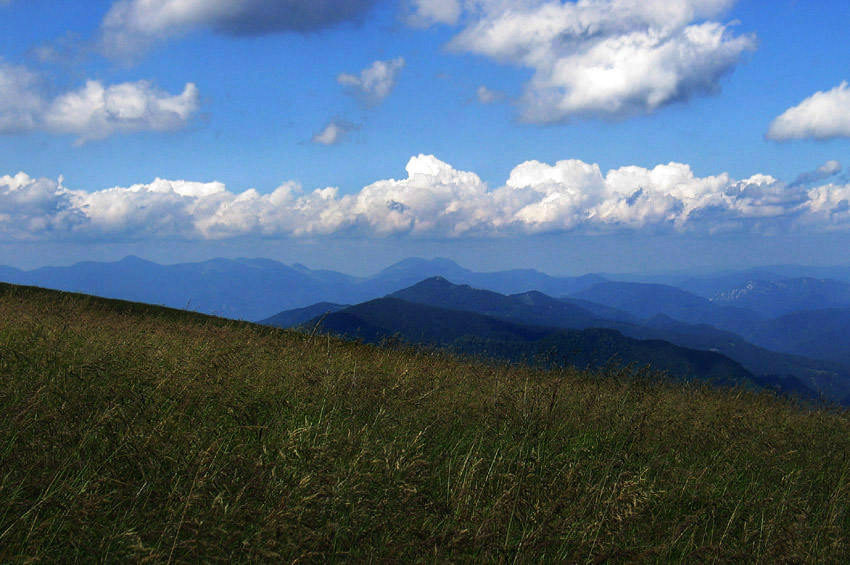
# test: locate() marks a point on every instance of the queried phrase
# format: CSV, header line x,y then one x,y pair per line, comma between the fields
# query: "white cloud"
x,y
21,103
131,26
434,200
828,206
96,112
334,133
35,209
828,169
92,112
375,82
487,96
823,115
604,57
424,13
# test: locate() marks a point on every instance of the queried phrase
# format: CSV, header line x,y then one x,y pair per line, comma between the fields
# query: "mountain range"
x,y
476,334
773,298
402,314
253,289
775,321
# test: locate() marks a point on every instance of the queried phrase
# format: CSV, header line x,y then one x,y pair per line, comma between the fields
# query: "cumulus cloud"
x,y
823,115
34,209
609,58
92,112
334,133
375,82
829,206
96,111
434,200
131,26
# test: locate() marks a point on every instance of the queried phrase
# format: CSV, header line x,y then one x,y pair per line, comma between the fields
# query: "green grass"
x,y
131,433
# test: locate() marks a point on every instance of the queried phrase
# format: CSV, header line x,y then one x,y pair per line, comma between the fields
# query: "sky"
x,y
567,136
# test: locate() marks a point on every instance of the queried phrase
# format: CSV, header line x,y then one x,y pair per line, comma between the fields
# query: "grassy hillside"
x,y
131,433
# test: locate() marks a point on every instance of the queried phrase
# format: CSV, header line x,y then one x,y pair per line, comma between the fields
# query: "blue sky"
x,y
569,136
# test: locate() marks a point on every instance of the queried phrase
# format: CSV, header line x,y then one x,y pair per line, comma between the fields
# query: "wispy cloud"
x,y
335,132
424,13
488,96
435,200
21,103
375,82
823,115
95,111
825,171
600,58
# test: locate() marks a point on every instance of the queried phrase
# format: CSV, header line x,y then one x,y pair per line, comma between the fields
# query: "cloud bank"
x,y
131,26
93,112
598,58
435,200
823,115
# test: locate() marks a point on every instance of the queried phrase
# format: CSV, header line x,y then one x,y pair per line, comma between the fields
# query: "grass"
x,y
131,433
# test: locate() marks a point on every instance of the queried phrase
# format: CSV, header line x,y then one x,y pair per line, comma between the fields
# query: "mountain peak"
x,y
132,259
779,297
533,297
135,261
436,283
422,265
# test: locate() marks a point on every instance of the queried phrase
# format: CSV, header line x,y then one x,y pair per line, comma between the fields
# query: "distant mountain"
x,y
829,376
786,371
821,334
645,301
254,289
334,278
233,288
410,271
600,310
380,318
816,343
299,316
477,334
838,272
527,308
711,286
536,308
773,298
10,273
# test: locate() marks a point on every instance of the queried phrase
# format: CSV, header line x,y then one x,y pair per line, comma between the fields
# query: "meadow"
x,y
133,433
